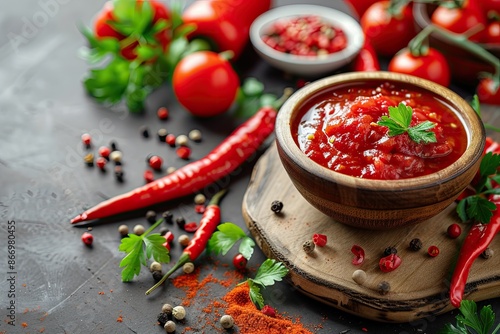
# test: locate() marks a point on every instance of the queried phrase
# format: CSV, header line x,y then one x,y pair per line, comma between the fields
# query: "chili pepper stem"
x,y
279,102
215,200
182,261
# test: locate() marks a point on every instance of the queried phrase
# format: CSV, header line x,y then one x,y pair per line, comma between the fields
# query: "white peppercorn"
x,y
155,266
123,230
169,326
181,140
200,199
167,308
359,276
227,321
308,246
139,229
195,135
183,240
188,267
179,312
171,169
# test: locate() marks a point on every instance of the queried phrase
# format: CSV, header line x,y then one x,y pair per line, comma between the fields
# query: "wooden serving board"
x,y
418,286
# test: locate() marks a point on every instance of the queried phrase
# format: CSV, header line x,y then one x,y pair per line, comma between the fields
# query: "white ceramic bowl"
x,y
307,65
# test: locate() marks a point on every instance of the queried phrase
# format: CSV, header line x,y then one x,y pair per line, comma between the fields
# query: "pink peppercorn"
x,y
87,238
269,311
183,152
104,151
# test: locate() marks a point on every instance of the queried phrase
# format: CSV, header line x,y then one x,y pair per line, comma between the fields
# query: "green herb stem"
x,y
182,261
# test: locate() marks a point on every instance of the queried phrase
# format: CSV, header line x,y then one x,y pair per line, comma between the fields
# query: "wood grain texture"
x,y
418,286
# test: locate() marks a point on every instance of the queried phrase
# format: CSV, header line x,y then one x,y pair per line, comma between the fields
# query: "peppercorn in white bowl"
x,y
306,40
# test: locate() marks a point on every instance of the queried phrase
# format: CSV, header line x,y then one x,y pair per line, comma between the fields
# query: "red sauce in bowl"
x,y
338,129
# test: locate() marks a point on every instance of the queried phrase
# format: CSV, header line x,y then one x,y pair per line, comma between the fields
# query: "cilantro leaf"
x,y
399,121
469,321
133,246
255,295
226,237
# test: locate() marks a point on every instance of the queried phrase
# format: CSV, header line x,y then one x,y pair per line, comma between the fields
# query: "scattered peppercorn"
x,y
390,250
162,113
151,216
433,251
195,135
123,230
87,140
276,206
226,321
148,176
415,244
179,312
139,229
144,131
359,276
180,221
200,208
188,267
191,227
183,240
200,199
157,275
162,135
162,318
269,311
384,287
183,152
101,163
308,246
170,139
171,169
169,326
320,240
163,231
454,231
113,146
181,140
104,152
168,216
155,162
116,156
167,308
119,173
487,253
87,239
89,159
155,266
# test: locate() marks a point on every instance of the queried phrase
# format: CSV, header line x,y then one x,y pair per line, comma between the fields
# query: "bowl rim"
x,y
347,23
468,117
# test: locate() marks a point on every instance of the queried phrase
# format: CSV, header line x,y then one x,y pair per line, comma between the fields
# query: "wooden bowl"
x,y
465,66
378,204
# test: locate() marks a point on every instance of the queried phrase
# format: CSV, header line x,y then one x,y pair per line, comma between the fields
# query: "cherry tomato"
x,y
240,262
205,83
103,28
454,231
488,91
493,32
489,6
388,34
432,66
461,20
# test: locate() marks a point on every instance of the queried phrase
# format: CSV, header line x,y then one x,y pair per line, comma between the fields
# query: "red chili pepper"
x,y
208,223
360,255
225,22
366,60
478,239
221,161
389,263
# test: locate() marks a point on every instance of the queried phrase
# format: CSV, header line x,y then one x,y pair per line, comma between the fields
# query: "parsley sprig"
x,y
399,121
469,321
269,272
476,207
141,248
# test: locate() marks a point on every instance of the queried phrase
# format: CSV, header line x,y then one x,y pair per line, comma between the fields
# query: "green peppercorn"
x,y
276,206
415,244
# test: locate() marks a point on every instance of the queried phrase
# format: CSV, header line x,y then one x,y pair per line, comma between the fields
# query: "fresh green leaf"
x,y
269,272
255,295
476,105
252,87
489,164
470,322
225,238
133,246
461,209
246,247
399,121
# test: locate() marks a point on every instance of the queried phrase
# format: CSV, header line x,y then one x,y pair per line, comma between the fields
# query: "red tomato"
x,y
461,20
432,66
493,32
388,34
488,92
490,5
360,6
205,83
102,27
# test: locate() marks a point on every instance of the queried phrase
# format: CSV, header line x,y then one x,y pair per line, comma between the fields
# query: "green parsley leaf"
x,y
399,121
133,246
226,237
269,272
255,294
470,322
476,207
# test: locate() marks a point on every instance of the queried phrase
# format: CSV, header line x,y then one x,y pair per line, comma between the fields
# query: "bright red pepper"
x,y
208,223
221,161
225,22
389,263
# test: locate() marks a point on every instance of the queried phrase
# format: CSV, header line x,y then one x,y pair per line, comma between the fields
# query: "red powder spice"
x,y
120,318
252,321
24,324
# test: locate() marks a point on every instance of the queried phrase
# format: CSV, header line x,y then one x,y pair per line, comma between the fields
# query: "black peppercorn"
x,y
276,206
390,250
384,287
151,216
168,216
415,244
162,134
113,146
144,131
157,275
180,221
163,231
163,318
119,173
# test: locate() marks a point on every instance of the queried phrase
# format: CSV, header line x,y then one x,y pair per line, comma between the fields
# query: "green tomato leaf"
x,y
255,295
246,247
